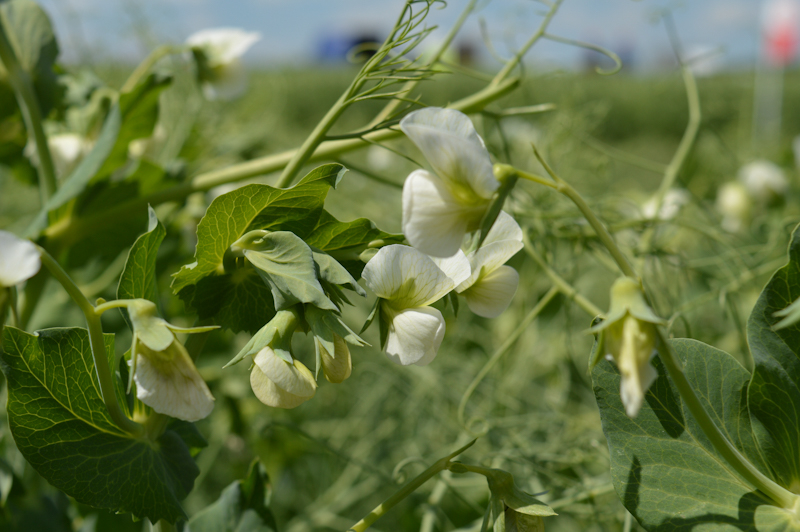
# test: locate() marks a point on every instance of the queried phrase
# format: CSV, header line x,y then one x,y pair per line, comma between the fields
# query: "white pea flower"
x,y
764,180
66,151
491,285
440,207
221,70
735,206
407,281
166,378
19,260
628,337
672,203
279,383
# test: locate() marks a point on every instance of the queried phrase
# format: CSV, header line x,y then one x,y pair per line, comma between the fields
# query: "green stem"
x,y
602,233
563,286
31,113
144,67
502,350
747,470
409,488
70,229
104,375
306,150
514,61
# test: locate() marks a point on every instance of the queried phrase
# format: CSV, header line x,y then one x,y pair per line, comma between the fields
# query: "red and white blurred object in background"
x,y
780,31
780,28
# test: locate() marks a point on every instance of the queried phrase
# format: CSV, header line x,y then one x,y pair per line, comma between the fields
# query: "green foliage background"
x,y
333,459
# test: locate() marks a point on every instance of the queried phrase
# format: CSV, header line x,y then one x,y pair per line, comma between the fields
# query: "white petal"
x,y
270,394
456,267
151,330
451,145
415,336
405,277
505,228
65,150
503,242
230,82
170,384
19,259
434,221
223,45
293,378
490,296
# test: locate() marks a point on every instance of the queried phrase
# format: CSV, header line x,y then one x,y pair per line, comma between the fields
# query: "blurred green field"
x,y
334,458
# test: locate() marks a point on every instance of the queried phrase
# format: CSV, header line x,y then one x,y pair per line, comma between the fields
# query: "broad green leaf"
x,y
666,472
60,424
239,301
775,389
287,265
138,278
231,215
31,34
242,507
345,241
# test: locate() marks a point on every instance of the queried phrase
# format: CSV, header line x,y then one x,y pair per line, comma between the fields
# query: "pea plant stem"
x,y
409,488
31,113
144,67
102,369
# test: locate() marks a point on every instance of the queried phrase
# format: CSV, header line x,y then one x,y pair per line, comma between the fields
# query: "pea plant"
x,y
695,438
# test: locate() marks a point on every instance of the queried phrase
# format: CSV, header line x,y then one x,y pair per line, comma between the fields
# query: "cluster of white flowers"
x,y
439,209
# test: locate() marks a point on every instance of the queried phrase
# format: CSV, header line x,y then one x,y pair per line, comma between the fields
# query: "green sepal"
x,y
502,486
281,325
498,199
598,347
373,313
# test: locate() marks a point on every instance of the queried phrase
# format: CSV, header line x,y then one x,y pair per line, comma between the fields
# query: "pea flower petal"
x,y
19,259
280,384
222,72
415,335
440,208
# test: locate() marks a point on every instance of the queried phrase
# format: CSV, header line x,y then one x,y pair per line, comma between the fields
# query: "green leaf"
x,y
31,35
286,264
239,300
345,241
60,424
231,215
138,278
333,273
664,469
242,507
775,389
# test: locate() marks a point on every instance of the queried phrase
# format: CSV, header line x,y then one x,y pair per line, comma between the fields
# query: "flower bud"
x,y
628,336
338,365
279,383
735,206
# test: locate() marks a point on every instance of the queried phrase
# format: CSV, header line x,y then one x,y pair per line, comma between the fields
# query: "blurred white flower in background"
x,y
218,53
491,285
407,281
439,208
735,205
66,150
19,259
764,181
671,205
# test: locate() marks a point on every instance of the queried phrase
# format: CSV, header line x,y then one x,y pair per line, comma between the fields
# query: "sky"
x,y
125,30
